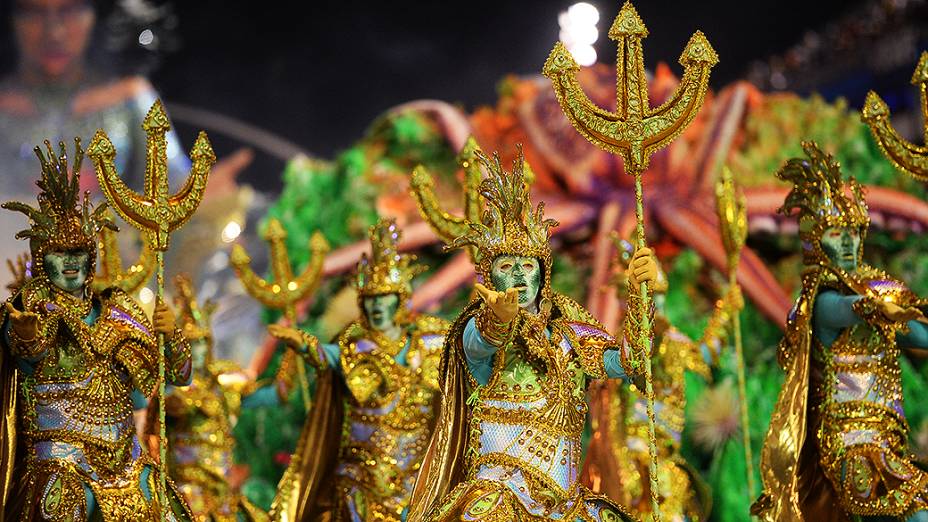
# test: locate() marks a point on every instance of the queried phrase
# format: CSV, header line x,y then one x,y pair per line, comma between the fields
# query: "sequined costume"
x,y
374,407
200,418
507,446
683,495
70,447
837,444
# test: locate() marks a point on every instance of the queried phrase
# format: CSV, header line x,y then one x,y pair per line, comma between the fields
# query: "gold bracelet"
x,y
495,332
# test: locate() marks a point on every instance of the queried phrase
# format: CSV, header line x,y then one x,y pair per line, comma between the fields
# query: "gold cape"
x,y
8,440
306,492
795,487
443,466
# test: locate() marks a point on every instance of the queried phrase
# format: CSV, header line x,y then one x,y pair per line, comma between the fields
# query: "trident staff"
x,y
635,131
285,291
156,213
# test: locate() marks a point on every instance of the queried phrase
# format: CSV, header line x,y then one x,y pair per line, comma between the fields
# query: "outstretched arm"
x,y
916,337
491,329
832,313
318,355
27,336
479,352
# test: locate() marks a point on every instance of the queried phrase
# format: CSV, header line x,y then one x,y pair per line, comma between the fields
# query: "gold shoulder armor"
x,y
574,311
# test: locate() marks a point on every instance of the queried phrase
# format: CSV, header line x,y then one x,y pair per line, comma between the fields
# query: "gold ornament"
x,y
733,221
904,155
509,224
386,271
194,320
286,290
820,197
156,213
634,131
110,271
62,221
448,226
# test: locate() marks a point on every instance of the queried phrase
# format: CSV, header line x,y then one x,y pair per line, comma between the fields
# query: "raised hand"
x,y
505,305
642,268
164,320
24,324
292,337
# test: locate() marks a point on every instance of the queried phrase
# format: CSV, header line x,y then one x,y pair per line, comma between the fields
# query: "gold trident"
x,y
447,226
733,221
907,157
635,131
156,213
110,271
285,291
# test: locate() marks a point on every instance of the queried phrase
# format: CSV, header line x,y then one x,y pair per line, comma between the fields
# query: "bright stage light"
x,y
146,37
583,13
585,55
146,296
231,231
579,33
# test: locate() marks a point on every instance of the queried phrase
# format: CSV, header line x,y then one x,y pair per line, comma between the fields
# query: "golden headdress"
x,y
193,320
386,271
509,223
821,199
62,221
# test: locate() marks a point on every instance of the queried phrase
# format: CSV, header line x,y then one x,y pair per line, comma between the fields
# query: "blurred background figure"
x,y
76,70
57,91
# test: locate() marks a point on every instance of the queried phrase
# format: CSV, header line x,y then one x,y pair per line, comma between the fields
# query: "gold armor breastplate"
x,y
388,416
530,418
862,367
80,383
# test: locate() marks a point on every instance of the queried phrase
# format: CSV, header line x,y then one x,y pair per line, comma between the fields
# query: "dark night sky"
x,y
318,73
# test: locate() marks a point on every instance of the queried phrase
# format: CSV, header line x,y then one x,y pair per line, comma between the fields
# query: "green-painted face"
x,y
841,245
380,311
523,273
67,269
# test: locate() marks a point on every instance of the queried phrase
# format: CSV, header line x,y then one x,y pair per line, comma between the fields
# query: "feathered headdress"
x,y
821,199
62,221
509,224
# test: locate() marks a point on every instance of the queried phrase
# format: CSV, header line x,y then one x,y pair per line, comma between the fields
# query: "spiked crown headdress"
x,y
821,200
509,224
386,271
62,221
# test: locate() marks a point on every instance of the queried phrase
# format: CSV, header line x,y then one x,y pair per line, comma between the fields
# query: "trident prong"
x,y
904,155
285,290
446,225
156,213
109,267
635,131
